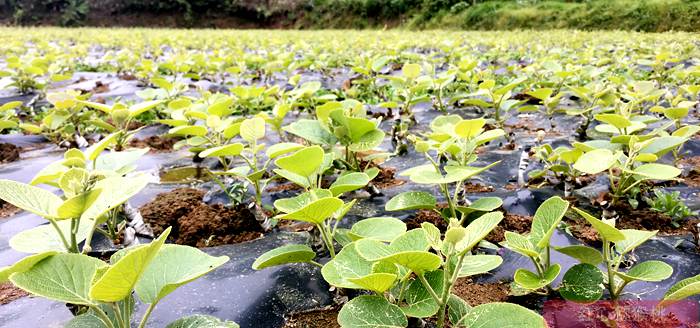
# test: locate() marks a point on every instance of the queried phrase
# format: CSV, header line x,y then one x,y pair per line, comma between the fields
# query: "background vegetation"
x,y
642,15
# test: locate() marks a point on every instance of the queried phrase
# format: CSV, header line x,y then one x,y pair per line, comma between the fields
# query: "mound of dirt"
x,y
198,224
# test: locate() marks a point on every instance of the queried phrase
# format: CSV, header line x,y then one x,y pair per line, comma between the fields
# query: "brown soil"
x,y
7,209
9,293
624,314
156,143
387,178
324,318
511,222
100,87
283,187
477,294
628,218
692,179
198,224
9,152
427,216
472,188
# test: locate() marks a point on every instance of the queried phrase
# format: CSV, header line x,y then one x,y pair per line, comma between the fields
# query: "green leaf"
x,y
61,277
595,161
377,282
683,289
311,130
304,162
381,228
114,192
648,271
172,267
520,245
411,200
469,128
656,171
140,108
583,254
501,315
483,204
633,238
315,212
661,145
457,308
283,255
605,230
583,283
288,205
201,321
253,129
23,264
221,151
416,261
479,264
412,240
44,238
30,198
280,149
419,302
411,70
371,312
616,120
346,265
478,229
546,220
75,206
189,130
368,141
349,182
532,281
120,278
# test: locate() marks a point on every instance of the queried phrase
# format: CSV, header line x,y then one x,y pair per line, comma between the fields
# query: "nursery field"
x,y
355,179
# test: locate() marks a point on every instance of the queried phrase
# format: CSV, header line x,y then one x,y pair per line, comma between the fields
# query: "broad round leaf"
x,y
501,315
201,321
532,281
479,264
583,283
172,267
284,254
583,254
304,162
349,182
377,282
371,312
683,289
61,277
648,271
30,198
225,150
657,171
117,282
381,228
411,200
595,161
315,212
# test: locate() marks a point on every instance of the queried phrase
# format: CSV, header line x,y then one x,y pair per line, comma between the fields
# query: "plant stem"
x,y
74,223
611,272
146,315
103,316
60,234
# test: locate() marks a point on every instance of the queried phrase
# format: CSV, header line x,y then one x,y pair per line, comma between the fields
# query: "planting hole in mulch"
x,y
643,218
511,222
9,293
9,152
196,223
387,178
426,216
323,318
477,294
7,209
474,188
157,144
